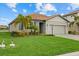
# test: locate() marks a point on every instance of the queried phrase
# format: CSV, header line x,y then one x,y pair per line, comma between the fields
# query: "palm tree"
x,y
21,19
31,25
76,20
29,21
26,21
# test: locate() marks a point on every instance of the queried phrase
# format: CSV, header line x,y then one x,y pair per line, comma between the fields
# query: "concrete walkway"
x,y
71,54
74,37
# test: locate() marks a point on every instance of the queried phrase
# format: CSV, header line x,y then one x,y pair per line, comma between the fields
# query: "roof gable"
x,y
71,13
58,16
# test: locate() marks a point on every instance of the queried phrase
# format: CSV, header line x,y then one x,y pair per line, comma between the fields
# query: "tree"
x,y
32,26
27,23
75,22
21,19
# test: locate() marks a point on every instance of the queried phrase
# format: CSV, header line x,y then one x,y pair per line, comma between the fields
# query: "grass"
x,y
37,45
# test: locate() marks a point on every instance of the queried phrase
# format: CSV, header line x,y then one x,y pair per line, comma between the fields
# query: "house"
x,y
3,27
73,26
70,16
55,24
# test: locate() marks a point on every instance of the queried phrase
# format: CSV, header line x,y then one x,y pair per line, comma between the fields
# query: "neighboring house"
x,y
71,17
47,25
3,27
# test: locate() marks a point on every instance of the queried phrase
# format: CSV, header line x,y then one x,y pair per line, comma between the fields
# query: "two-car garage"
x,y
57,25
59,29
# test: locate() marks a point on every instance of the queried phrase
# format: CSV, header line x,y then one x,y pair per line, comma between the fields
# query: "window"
x,y
20,26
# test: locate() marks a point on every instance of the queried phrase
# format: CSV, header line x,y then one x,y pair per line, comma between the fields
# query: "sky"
x,y
9,11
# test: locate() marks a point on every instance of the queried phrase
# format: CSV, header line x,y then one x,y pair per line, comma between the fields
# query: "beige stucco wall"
x,y
14,28
55,21
71,17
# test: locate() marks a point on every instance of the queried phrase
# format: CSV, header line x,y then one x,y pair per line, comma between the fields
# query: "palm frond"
x,y
71,24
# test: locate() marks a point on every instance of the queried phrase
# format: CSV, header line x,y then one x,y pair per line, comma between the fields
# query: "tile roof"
x,y
36,17
39,17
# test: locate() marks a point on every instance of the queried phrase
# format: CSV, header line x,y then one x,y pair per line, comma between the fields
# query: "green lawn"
x,y
38,45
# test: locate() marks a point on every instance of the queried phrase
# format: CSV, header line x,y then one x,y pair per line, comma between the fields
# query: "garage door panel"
x,y
58,29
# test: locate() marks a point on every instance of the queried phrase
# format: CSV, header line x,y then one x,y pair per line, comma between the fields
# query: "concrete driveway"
x,y
74,37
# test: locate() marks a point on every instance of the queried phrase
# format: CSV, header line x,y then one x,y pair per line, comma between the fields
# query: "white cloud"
x,y
50,7
42,13
12,6
39,6
24,10
62,13
14,10
44,8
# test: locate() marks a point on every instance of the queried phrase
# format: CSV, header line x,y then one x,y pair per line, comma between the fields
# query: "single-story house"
x,y
55,24
3,27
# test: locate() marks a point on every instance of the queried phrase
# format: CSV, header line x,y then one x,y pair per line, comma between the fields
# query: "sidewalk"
x,y
71,54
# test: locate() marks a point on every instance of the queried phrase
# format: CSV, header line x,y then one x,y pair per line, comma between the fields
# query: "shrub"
x,y
50,35
69,32
77,33
13,33
16,34
73,32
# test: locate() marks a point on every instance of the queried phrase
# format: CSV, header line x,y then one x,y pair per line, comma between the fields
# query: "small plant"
x,y
2,44
12,45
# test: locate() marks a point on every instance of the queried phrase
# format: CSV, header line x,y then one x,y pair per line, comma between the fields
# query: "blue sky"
x,y
9,11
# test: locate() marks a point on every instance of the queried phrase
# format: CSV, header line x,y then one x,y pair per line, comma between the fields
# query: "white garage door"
x,y
59,29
